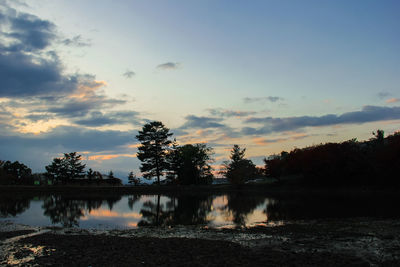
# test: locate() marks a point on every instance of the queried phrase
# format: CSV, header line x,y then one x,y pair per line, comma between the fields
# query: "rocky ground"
x,y
351,242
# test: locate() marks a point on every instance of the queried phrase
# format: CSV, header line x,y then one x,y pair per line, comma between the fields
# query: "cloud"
x,y
70,138
262,100
169,66
196,122
77,41
129,74
98,118
38,117
37,151
393,100
26,75
34,80
28,66
229,113
367,114
25,32
383,95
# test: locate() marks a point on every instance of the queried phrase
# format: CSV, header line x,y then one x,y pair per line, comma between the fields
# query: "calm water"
x,y
231,210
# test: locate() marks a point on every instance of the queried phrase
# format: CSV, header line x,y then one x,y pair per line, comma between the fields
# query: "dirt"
x,y
352,242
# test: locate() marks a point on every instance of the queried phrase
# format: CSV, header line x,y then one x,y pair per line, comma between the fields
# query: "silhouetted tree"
x,y
15,173
97,175
154,142
239,169
379,137
190,164
111,175
90,174
132,178
68,167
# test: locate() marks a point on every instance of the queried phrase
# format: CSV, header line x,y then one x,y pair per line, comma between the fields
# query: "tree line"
x,y
372,162
376,161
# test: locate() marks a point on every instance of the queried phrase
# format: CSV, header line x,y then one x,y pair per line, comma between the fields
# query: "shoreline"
x,y
350,242
205,189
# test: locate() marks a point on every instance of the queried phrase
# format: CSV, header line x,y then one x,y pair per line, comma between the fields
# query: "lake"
x,y
203,210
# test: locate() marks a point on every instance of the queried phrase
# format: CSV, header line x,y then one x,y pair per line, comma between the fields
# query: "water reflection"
x,y
180,210
241,205
236,209
67,211
12,206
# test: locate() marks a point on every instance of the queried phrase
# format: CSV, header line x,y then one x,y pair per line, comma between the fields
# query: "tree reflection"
x,y
192,210
67,211
181,210
322,207
155,214
132,200
64,211
11,206
241,205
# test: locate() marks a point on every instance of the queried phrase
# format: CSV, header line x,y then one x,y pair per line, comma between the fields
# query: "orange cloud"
x,y
393,100
110,156
260,141
134,146
85,91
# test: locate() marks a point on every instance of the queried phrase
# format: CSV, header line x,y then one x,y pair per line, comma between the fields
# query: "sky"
x,y
85,76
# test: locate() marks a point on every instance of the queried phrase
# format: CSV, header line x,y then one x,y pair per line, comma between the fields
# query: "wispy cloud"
x,y
262,100
129,74
383,94
77,41
169,66
229,113
367,114
196,122
98,118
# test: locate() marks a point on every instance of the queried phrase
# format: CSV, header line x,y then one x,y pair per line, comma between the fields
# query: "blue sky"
x,y
268,75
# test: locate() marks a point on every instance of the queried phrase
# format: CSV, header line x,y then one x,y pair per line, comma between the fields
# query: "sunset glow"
x,y
266,75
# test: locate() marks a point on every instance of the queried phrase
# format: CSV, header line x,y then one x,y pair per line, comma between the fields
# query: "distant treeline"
x,y
373,162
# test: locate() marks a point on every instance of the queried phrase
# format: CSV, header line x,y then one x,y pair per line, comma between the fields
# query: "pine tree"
x,y
68,167
239,169
154,142
132,178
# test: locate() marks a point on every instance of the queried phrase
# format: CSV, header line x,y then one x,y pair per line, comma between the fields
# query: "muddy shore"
x,y
350,242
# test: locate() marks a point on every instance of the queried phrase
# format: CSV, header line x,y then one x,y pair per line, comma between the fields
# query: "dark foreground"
x,y
355,242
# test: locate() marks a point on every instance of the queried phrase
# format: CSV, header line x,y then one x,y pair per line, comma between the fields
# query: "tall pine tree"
x,y
154,143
